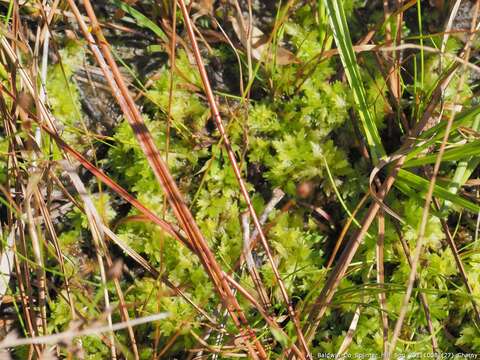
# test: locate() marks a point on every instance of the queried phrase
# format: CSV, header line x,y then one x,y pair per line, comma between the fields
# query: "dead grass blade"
x,y
100,175
246,259
243,189
250,263
429,196
170,229
422,296
320,305
17,228
96,230
271,322
50,230
111,72
345,229
40,267
91,211
6,263
351,330
148,214
69,335
458,262
381,278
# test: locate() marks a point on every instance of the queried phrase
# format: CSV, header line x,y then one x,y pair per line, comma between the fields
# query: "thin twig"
x,y
69,335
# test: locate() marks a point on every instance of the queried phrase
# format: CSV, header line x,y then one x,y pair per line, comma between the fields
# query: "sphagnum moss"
x,y
309,120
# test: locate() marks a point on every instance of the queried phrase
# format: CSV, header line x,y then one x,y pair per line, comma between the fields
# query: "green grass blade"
x,y
457,153
463,119
412,181
141,20
422,57
341,34
467,166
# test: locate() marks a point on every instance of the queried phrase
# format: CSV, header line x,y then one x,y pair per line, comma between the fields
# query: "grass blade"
x,y
420,184
177,203
236,169
141,20
466,166
341,34
459,152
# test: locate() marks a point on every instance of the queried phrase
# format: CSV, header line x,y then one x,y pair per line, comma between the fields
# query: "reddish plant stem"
x,y
120,91
243,189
